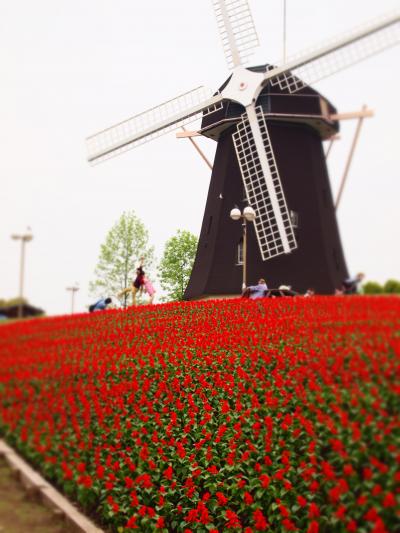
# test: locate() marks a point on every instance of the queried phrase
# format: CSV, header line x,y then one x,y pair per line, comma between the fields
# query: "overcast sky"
x,y
70,68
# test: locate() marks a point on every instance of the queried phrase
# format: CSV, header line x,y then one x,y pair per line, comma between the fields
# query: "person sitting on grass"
x,y
286,290
100,305
257,291
352,285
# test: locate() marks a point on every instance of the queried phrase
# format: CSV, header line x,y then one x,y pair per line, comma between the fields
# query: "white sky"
x,y
70,68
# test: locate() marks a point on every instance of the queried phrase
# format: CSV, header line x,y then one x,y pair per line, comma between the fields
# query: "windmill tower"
x,y
269,125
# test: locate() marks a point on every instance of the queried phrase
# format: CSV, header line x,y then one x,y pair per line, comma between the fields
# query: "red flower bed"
x,y
274,415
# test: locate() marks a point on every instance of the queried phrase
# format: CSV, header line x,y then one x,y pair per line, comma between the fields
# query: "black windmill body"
x,y
297,125
269,124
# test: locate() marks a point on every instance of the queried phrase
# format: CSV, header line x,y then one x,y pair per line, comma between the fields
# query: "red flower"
x,y
367,473
389,500
348,470
100,471
168,473
232,520
132,523
371,515
313,511
260,522
81,467
361,500
352,526
160,524
341,512
248,498
87,482
301,501
192,516
284,512
289,525
222,500
313,527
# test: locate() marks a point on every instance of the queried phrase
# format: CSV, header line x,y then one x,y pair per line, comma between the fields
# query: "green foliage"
x,y
372,287
392,286
125,244
13,301
177,263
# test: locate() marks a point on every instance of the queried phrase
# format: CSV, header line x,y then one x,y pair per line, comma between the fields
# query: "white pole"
x,y
244,284
284,31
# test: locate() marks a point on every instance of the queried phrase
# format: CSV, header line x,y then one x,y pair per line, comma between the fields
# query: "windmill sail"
x,y
263,185
337,55
237,30
151,124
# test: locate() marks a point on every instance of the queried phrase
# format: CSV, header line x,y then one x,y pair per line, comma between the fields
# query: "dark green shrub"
x,y
372,287
392,286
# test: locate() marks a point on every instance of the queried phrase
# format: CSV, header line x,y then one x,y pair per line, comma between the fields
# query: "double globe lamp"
x,y
248,215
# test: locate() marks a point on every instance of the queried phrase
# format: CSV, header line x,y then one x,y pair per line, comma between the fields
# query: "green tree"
x,y
177,263
126,242
392,286
372,287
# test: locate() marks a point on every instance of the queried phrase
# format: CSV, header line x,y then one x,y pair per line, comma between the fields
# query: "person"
x,y
259,290
351,285
309,292
148,287
137,284
100,305
286,290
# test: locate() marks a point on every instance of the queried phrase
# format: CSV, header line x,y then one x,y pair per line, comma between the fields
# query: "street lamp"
x,y
248,215
24,238
73,289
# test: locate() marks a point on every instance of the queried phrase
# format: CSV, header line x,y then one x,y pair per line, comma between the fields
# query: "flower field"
x,y
272,415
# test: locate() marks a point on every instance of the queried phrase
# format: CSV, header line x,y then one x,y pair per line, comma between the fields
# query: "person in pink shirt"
x,y
148,287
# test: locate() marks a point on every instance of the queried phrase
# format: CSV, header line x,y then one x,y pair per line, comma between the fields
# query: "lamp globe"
x,y
235,214
249,214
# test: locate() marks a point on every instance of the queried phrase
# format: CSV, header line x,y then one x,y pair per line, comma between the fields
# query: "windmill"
x,y
269,124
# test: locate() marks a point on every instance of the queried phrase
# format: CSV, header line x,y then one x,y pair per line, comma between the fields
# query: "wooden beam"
x,y
185,133
331,141
198,149
350,156
364,113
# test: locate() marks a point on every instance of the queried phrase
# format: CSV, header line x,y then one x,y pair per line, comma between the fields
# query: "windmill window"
x,y
239,256
209,225
294,217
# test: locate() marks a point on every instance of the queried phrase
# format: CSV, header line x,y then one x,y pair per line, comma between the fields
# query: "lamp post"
x,y
248,215
24,238
73,289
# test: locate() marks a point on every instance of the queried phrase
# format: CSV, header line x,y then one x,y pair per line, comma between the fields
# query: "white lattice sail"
x,y
237,30
337,55
264,193
151,124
